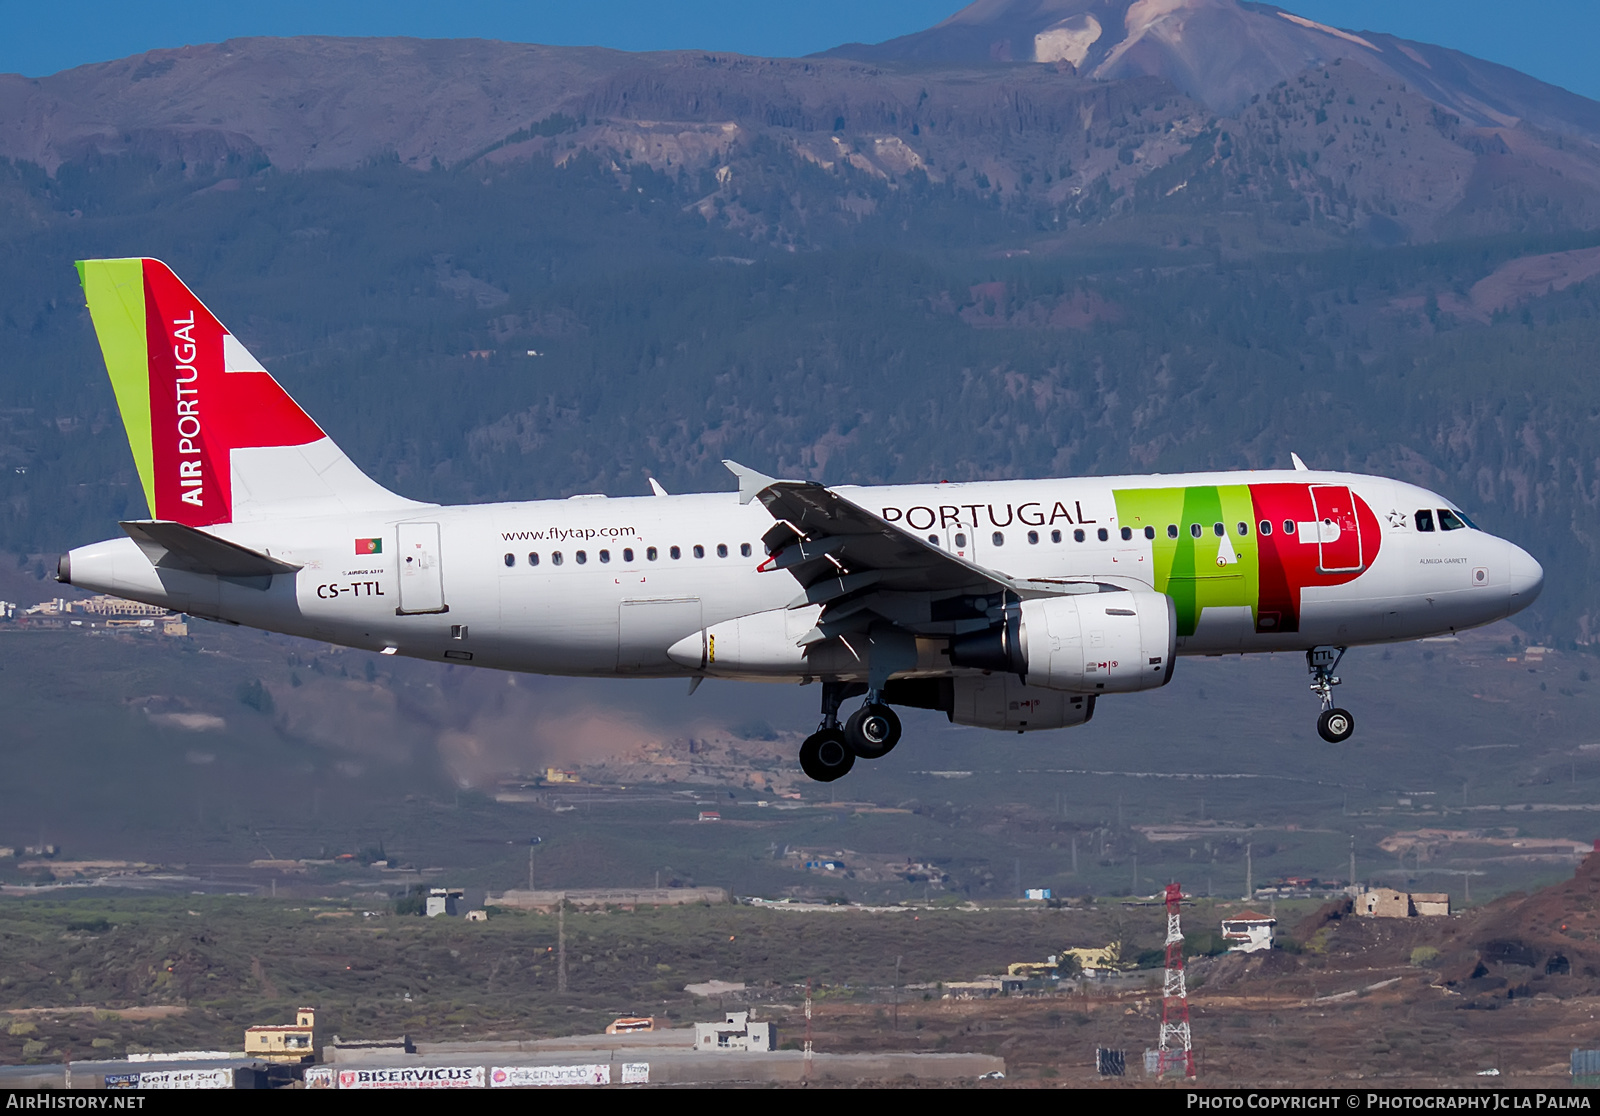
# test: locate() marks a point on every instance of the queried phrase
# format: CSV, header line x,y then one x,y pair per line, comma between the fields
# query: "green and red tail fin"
x,y
214,437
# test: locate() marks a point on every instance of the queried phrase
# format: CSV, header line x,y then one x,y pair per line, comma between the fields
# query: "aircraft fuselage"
x,y
595,586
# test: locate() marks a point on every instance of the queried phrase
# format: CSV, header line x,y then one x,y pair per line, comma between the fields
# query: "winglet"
x,y
655,486
750,482
1299,466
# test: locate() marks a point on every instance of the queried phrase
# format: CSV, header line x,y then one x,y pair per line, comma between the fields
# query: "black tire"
x,y
825,756
1336,725
872,731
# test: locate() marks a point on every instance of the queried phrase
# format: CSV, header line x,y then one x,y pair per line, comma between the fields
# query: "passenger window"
x,y
1149,532
744,550
1077,536
998,539
627,554
699,551
1244,529
1424,519
1033,538
1195,530
511,559
1218,530
961,539
555,557
934,539
1055,536
582,556
533,558
722,550
1448,520
674,553
1102,534
605,556
1288,526
1172,530
1127,534
1265,526
650,553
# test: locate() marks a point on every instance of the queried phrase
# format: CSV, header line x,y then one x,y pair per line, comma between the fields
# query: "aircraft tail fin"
x,y
215,439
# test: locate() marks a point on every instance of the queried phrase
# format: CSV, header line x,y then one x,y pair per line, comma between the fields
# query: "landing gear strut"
x,y
871,733
1335,725
826,755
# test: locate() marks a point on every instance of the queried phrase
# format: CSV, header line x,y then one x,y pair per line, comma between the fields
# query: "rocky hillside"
x,y
1354,139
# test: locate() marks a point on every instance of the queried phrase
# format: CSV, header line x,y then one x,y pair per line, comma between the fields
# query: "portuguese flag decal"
x,y
369,546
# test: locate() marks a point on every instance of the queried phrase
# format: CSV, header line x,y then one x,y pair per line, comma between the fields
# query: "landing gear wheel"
x,y
825,756
1336,725
872,731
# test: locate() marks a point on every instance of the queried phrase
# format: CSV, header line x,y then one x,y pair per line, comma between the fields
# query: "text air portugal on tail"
x,y
214,436
1010,605
218,445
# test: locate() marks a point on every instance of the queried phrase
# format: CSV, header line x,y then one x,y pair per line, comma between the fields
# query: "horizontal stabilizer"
x,y
175,546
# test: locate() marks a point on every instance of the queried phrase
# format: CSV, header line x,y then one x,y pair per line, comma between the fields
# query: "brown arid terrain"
x,y
1419,1002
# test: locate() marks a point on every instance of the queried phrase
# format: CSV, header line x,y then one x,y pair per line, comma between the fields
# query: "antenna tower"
x,y
1175,1047
806,1069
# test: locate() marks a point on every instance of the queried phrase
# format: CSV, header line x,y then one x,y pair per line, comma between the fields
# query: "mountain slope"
x,y
1338,149
1223,52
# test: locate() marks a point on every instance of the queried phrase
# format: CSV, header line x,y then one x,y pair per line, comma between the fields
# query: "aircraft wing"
x,y
860,567
857,543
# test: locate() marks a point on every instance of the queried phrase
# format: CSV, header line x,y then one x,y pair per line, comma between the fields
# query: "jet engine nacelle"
x,y
1003,701
1089,643
1102,643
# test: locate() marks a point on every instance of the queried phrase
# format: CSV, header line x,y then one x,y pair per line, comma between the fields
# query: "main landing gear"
x,y
870,733
1335,725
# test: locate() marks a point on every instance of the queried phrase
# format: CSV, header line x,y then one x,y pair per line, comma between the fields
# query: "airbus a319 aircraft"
x,y
1010,605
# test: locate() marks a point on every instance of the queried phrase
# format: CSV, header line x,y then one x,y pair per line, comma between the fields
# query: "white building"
x,y
735,1032
1248,932
442,901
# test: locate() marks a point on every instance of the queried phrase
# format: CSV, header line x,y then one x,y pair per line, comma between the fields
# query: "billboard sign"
x,y
413,1077
186,1079
527,1076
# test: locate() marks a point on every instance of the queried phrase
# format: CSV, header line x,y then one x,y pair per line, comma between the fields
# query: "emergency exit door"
x,y
421,576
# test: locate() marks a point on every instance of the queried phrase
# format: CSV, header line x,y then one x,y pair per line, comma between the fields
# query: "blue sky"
x,y
1551,39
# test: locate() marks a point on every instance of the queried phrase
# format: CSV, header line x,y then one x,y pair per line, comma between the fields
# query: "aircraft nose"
x,y
1524,578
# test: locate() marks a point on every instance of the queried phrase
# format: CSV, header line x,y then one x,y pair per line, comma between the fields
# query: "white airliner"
x,y
1006,604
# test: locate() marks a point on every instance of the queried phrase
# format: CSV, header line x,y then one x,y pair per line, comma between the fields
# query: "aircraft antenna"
x,y
1174,1046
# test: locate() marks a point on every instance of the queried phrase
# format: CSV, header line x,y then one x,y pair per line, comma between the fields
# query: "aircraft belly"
x,y
1222,628
545,627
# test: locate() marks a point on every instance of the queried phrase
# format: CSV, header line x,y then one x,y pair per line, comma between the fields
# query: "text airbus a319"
x,y
1010,605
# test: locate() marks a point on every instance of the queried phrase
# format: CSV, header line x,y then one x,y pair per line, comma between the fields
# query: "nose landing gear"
x,y
1334,725
871,733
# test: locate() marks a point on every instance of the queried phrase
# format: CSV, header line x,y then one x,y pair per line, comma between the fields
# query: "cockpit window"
x,y
1424,519
1449,521
1463,517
